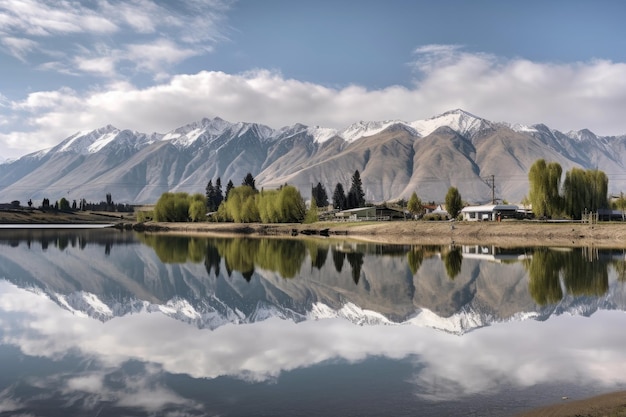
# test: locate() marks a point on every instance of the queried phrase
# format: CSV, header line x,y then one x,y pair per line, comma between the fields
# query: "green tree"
x,y
544,181
249,181
454,203
356,195
312,215
229,187
209,192
320,196
241,206
197,208
415,205
340,201
64,204
584,191
453,260
218,196
172,207
291,204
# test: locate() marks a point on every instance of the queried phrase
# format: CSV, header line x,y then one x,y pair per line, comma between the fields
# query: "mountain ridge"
x,y
463,150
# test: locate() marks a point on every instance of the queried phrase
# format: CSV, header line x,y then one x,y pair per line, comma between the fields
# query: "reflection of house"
x,y
489,212
370,213
494,253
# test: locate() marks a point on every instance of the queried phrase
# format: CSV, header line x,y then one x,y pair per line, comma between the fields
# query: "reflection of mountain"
x,y
211,282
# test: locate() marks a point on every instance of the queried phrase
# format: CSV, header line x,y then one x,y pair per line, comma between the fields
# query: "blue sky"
x,y
155,65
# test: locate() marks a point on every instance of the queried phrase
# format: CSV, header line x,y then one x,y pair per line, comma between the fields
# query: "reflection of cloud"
x,y
515,353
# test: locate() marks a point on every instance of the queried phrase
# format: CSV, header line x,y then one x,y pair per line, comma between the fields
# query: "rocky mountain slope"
x,y
395,158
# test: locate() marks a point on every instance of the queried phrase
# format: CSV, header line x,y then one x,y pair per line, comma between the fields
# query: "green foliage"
x,y
415,257
144,216
197,208
267,205
545,180
584,191
176,249
312,214
64,204
173,207
453,260
415,205
241,206
213,195
291,205
454,202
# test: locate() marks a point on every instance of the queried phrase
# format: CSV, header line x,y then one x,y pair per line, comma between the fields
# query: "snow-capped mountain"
x,y
395,159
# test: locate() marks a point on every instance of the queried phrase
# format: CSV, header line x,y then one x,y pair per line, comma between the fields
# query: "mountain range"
x,y
395,158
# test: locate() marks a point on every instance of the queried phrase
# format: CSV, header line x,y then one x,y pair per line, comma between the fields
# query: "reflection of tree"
x,y
453,260
338,259
212,260
415,259
585,277
356,262
620,269
177,249
582,276
318,255
284,256
543,271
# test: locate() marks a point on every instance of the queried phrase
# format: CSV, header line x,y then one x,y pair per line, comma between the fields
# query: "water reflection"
x,y
125,324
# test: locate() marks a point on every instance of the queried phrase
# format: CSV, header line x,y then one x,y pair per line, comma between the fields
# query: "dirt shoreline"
x,y
513,233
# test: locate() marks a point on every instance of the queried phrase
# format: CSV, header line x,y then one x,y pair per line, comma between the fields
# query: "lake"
x,y
118,323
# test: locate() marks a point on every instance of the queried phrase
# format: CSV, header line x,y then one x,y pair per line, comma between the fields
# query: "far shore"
x,y
506,233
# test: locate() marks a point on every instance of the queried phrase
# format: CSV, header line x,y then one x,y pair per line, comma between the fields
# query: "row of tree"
x,y
582,190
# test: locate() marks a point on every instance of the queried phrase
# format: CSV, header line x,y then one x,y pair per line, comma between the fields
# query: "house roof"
x,y
489,208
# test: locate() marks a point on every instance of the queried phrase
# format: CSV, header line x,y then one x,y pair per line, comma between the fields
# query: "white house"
x,y
489,212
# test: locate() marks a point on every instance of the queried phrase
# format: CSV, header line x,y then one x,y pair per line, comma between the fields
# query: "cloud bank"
x,y
565,96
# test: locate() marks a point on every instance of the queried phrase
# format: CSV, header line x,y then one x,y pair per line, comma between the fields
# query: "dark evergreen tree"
x,y
210,196
320,196
219,197
229,187
74,205
249,181
340,202
356,195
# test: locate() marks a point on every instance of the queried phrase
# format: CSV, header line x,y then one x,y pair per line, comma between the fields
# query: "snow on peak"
x,y
213,128
462,122
362,129
321,134
88,141
582,135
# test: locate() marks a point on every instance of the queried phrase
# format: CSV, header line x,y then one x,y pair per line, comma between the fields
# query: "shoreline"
x,y
507,233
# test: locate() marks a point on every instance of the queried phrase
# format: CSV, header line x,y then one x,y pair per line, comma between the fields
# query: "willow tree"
x,y
545,184
584,190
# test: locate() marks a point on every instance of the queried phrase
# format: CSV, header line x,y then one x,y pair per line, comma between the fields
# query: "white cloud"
x,y
563,96
51,28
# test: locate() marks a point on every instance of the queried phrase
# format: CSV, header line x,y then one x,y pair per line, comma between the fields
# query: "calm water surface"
x,y
110,323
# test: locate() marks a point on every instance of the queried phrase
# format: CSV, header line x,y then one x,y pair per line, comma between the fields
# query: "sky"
x,y
155,65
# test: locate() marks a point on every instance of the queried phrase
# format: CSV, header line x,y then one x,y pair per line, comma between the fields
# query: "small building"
x,y
370,214
489,212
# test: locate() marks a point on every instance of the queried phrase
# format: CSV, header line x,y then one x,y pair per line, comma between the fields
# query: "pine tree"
x,y
356,196
210,196
320,196
340,202
219,197
249,181
229,187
